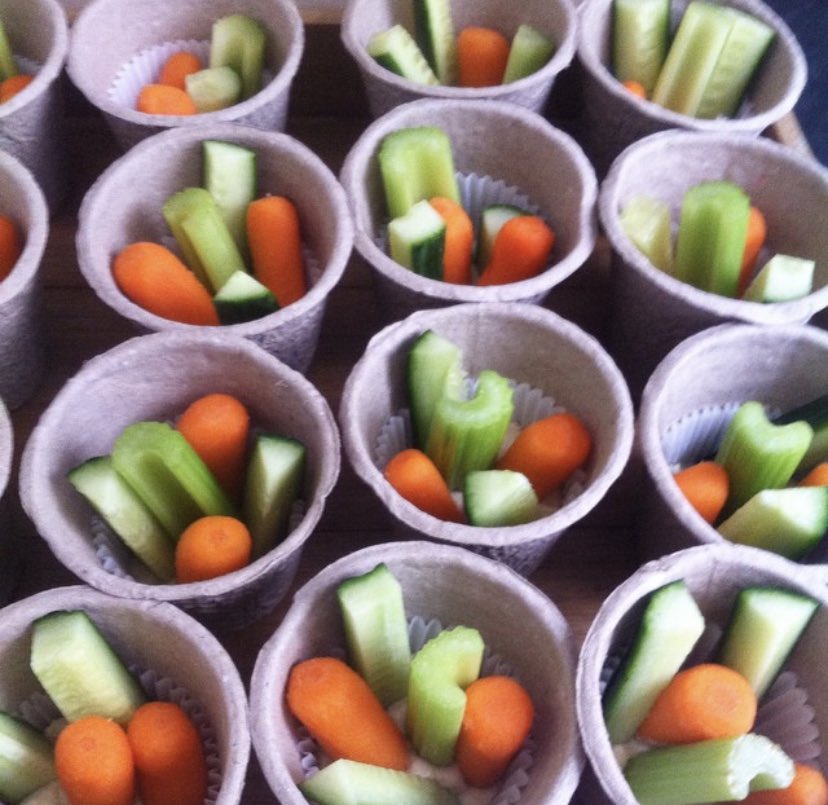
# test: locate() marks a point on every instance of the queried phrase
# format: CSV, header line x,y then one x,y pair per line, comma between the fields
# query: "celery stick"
x,y
815,413
781,279
641,36
646,222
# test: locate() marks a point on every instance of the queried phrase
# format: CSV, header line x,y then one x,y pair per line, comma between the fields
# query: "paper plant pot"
x,y
9,561
691,397
612,118
714,574
653,311
454,587
155,377
21,336
176,658
385,90
516,155
118,46
527,344
112,216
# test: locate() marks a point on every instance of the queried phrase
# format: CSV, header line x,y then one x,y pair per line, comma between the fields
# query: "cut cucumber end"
x,y
26,760
213,88
397,51
781,279
239,42
243,298
496,498
417,240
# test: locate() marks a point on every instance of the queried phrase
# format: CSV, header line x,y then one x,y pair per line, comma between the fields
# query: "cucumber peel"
x,y
239,42
434,33
496,498
417,240
529,51
397,51
243,298
815,413
26,759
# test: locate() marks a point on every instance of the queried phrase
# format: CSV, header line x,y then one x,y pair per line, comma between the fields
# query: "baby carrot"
x,y
275,242
520,251
161,99
482,54
217,426
496,721
706,486
701,702
809,787
415,476
169,758
10,246
457,251
154,278
343,714
94,763
548,451
10,86
757,231
636,88
177,67
818,476
212,546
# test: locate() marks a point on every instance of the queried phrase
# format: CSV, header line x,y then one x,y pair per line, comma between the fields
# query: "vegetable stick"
x,y
757,230
177,67
275,241
415,476
459,243
10,246
212,546
521,250
10,86
496,721
161,99
548,451
809,787
706,486
169,759
153,277
482,54
818,476
636,88
701,702
94,762
217,427
343,714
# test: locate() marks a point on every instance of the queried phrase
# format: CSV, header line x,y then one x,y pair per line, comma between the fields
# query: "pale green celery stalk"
x,y
718,770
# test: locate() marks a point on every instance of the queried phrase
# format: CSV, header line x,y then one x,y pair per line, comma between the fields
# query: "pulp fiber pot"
x,y
714,575
173,657
612,118
690,399
21,335
118,46
553,362
8,554
31,122
452,587
385,89
502,154
155,377
113,215
653,311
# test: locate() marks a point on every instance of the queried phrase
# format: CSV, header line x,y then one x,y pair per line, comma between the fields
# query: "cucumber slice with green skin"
x,y
125,513
417,240
376,631
8,65
434,370
26,760
530,50
168,475
348,782
647,223
670,626
434,33
788,521
711,236
213,88
243,298
397,51
815,413
759,454
495,498
781,279
466,435
275,473
80,670
492,219
764,627
50,794
239,42
640,40
440,672
416,163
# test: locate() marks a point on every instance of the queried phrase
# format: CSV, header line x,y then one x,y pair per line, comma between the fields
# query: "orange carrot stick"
x,y
706,486
11,246
343,714
809,787
415,476
757,231
275,241
459,243
10,86
161,99
212,546
217,427
701,702
169,758
548,451
498,716
520,251
177,67
636,88
94,763
482,54
154,278
818,476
